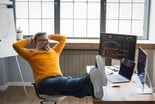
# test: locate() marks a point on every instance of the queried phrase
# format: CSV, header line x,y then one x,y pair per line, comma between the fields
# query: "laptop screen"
x,y
141,64
126,68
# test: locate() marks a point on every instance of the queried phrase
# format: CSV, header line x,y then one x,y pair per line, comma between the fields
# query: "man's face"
x,y
42,42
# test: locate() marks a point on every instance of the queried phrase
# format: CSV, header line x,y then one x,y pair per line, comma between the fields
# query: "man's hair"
x,y
38,35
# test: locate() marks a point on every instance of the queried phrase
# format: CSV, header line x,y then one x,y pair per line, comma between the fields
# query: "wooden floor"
x,y
16,95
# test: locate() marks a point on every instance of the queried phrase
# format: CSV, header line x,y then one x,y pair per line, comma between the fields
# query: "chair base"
x,y
45,98
54,99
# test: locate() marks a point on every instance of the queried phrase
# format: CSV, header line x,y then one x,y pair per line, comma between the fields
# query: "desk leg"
x,y
19,69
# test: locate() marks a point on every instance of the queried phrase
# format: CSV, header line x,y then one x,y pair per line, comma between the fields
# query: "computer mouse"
x,y
115,85
110,73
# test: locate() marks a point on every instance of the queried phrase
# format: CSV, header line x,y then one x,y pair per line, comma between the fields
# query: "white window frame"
x,y
56,28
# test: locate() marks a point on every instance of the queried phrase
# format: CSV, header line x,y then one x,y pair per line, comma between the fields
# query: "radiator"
x,y
73,62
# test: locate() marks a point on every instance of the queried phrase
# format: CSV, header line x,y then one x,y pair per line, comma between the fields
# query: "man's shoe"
x,y
96,79
100,64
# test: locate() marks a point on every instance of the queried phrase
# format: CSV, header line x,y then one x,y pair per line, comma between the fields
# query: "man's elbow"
x,y
14,45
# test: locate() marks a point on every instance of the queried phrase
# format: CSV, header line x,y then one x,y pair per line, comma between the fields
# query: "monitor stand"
x,y
108,61
145,89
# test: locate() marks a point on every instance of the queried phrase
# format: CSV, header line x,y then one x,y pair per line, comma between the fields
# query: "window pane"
x,y
80,10
94,1
66,28
130,16
80,28
112,26
125,0
67,0
80,0
93,10
66,10
21,0
112,11
48,10
34,9
124,27
137,28
34,0
35,26
47,0
48,25
138,11
93,28
125,11
138,0
112,0
21,10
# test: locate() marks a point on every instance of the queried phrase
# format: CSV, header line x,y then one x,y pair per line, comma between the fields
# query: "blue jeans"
x,y
60,85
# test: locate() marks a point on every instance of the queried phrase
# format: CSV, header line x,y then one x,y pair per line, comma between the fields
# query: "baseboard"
x,y
20,84
4,87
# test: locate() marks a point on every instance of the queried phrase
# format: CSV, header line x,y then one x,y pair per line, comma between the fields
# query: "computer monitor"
x,y
118,46
142,72
141,64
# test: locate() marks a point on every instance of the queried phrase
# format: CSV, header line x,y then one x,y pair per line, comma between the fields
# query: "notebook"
x,y
125,72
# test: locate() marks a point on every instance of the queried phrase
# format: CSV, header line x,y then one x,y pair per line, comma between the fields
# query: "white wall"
x,y
152,34
152,21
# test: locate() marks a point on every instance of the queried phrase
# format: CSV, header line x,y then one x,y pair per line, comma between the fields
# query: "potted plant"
x,y
19,33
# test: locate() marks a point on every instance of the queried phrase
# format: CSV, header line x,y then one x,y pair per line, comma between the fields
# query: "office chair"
x,y
45,98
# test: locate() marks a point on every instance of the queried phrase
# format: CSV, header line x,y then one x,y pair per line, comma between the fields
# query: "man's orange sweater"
x,y
43,63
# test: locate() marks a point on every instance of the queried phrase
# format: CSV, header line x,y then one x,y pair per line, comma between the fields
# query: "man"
x,y
44,61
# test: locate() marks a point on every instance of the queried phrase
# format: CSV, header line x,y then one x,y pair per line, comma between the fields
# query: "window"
x,y
80,18
83,18
127,17
35,16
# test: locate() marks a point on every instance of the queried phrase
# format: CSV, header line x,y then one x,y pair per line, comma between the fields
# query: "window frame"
x,y
102,20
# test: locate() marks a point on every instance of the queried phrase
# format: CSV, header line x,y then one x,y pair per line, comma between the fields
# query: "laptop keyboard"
x,y
116,78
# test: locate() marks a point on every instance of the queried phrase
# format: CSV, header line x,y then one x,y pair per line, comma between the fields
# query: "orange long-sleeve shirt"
x,y
43,63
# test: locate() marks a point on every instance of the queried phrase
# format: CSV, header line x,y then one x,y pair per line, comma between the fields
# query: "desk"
x,y
125,94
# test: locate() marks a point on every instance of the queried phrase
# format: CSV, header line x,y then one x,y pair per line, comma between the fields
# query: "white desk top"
x,y
126,91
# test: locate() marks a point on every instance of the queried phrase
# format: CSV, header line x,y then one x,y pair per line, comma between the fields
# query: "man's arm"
x,y
19,47
61,42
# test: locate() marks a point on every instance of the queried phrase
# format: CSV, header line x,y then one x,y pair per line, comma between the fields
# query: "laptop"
x,y
125,72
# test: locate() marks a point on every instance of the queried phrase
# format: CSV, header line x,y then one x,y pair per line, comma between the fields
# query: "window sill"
x,y
93,44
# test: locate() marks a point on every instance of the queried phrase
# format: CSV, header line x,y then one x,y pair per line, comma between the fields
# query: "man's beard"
x,y
47,47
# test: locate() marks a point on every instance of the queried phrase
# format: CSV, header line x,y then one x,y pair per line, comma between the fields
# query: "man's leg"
x,y
88,85
78,87
96,79
100,63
